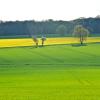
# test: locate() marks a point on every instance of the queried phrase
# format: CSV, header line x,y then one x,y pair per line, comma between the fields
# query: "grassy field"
x,y
61,72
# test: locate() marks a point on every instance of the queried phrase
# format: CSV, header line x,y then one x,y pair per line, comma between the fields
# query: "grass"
x,y
60,72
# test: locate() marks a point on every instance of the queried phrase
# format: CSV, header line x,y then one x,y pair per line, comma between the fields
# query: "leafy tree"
x,y
81,33
61,29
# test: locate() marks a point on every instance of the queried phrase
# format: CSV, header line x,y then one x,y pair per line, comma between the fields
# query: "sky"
x,y
11,10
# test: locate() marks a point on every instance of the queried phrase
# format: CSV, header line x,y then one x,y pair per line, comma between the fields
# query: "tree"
x,y
81,33
35,40
61,29
43,39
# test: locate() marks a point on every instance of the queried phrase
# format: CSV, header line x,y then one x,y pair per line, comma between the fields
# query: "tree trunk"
x,y
81,40
42,43
36,44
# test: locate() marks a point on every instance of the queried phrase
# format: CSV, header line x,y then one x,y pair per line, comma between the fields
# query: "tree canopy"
x,y
81,33
61,29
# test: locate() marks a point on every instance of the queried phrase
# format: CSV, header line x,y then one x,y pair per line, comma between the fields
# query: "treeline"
x,y
63,28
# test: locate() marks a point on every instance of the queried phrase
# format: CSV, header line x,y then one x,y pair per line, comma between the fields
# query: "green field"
x,y
61,72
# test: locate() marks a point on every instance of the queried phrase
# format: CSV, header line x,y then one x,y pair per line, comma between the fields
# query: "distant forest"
x,y
27,28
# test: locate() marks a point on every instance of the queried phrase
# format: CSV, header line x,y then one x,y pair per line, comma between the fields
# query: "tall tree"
x,y
81,33
61,29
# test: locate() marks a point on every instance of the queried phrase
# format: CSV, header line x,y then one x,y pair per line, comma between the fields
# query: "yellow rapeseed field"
x,y
49,41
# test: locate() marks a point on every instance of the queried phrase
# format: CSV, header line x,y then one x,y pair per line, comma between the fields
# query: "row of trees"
x,y
48,27
79,32
23,28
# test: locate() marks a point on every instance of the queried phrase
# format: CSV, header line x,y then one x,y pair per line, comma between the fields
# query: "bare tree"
x,y
81,33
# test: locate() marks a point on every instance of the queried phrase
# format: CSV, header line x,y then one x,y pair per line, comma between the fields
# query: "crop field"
x,y
60,72
49,41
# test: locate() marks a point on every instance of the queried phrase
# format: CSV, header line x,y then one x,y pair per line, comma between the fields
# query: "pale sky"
x,y
48,9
